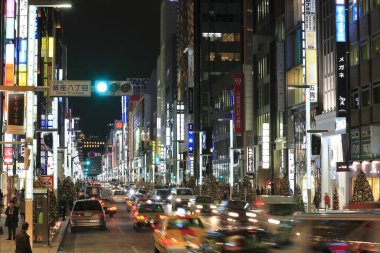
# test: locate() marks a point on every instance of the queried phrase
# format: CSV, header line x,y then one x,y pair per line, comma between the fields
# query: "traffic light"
x,y
48,141
113,88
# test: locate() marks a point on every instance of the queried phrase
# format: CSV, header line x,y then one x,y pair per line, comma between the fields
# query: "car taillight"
x,y
77,214
162,216
167,242
129,203
99,214
126,198
101,202
113,208
141,217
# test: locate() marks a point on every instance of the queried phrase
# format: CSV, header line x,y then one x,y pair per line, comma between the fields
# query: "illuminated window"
x,y
354,55
363,7
223,56
353,11
376,45
364,51
263,67
262,9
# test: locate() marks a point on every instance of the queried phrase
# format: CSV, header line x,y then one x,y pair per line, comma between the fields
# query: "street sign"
x,y
47,181
70,88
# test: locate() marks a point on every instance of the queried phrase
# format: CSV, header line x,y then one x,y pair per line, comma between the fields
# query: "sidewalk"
x,y
10,246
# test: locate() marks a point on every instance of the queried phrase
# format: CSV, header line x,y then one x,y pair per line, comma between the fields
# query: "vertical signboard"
x,y
8,155
16,111
341,58
238,92
291,165
266,146
191,138
280,77
191,100
250,161
124,105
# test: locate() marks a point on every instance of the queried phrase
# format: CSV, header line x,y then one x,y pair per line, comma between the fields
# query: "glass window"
x,y
376,45
364,51
375,4
366,101
353,12
376,94
355,101
363,7
354,55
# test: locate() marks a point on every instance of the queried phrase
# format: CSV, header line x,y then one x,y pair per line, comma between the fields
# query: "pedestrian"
x,y
327,201
262,191
257,191
22,204
1,202
63,206
14,197
22,240
317,200
12,220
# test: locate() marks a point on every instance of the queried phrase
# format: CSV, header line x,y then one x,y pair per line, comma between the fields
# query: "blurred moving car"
x,y
132,201
274,213
92,190
243,240
161,195
174,233
180,197
234,211
202,204
87,213
108,207
344,232
119,196
147,215
141,200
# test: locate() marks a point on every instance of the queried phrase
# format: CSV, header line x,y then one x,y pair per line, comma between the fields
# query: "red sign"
x,y
238,105
8,155
118,125
47,181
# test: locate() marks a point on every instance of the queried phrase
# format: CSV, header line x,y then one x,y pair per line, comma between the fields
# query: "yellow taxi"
x,y
147,215
173,233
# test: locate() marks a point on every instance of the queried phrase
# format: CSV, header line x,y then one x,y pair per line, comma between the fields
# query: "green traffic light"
x,y
101,86
88,162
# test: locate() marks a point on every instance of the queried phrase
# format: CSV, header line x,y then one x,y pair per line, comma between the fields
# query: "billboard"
x,y
16,113
238,102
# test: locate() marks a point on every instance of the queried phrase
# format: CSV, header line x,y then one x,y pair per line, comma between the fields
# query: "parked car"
x,y
180,197
87,213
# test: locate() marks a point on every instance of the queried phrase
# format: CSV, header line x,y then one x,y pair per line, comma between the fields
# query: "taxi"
x,y
147,215
130,202
108,207
140,201
174,233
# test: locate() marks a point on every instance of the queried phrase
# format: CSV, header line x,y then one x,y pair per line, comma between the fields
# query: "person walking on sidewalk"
x,y
21,203
63,206
22,240
317,201
327,201
12,220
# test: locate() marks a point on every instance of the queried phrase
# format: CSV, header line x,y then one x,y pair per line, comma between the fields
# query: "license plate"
x,y
87,214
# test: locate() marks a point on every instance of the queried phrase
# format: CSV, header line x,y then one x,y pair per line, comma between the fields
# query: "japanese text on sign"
x,y
70,89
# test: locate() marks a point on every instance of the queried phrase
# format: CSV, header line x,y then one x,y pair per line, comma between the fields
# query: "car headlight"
x,y
158,197
251,215
213,206
233,214
273,221
178,200
199,206
170,197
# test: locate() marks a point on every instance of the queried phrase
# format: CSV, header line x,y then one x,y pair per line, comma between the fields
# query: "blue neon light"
x,y
23,51
340,17
191,139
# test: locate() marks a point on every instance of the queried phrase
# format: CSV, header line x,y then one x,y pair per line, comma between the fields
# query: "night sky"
x,y
109,40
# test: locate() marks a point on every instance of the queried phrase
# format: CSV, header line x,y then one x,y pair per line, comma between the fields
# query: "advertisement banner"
x,y
342,98
250,161
238,105
16,113
8,155
191,100
46,181
191,138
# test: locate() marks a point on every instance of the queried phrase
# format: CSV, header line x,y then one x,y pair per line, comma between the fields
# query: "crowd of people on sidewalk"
x,y
16,208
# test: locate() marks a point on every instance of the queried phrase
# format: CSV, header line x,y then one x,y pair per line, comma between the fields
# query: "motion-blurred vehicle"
x,y
344,232
161,195
131,201
180,197
174,233
87,213
234,212
92,190
202,204
274,213
147,215
242,240
119,196
141,200
108,207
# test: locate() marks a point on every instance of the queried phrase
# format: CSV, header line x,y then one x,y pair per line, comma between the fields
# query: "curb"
x,y
57,243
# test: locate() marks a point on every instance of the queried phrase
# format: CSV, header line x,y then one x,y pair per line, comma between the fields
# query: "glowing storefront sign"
x,y
10,28
250,164
9,63
265,147
340,17
22,62
10,8
191,139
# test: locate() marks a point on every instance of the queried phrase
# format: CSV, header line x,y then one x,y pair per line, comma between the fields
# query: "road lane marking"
x,y
121,231
134,249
